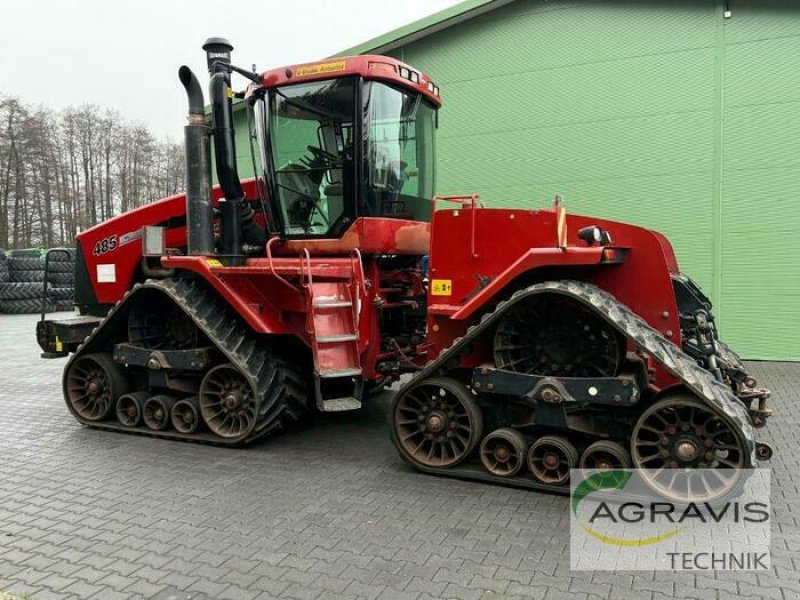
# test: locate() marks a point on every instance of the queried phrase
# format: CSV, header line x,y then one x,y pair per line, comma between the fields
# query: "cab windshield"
x,y
322,179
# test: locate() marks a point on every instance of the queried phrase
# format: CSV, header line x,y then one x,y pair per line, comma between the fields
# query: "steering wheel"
x,y
322,155
315,206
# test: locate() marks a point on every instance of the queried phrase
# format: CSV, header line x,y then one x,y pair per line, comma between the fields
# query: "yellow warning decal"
x,y
213,262
59,345
330,67
441,287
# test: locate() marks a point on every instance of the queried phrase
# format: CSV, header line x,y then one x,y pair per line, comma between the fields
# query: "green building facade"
x,y
682,116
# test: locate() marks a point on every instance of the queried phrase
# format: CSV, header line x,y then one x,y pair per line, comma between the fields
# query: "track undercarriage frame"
x,y
554,423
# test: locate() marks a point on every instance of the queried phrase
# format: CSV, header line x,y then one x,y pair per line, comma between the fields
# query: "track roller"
x,y
503,452
93,384
604,455
550,459
157,410
186,415
436,423
129,408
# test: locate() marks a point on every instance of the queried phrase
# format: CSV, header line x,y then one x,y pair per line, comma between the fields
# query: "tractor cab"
x,y
342,140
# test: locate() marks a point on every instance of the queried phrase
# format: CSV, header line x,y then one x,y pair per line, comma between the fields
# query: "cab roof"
x,y
369,66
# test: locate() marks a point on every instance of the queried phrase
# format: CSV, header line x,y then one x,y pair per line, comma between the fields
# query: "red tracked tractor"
x,y
535,341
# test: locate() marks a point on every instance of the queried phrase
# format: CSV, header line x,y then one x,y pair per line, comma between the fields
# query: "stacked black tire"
x,y
22,278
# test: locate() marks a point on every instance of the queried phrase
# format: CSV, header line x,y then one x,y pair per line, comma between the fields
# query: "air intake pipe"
x,y
199,215
218,58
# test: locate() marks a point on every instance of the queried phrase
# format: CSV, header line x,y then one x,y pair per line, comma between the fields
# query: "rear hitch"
x,y
760,415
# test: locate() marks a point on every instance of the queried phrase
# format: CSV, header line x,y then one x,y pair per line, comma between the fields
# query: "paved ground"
x,y
328,512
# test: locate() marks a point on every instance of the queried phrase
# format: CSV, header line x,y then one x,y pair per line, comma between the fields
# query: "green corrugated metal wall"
x,y
665,114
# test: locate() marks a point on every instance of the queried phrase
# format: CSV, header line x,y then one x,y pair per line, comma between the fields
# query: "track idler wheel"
x,y
129,408
94,382
186,415
550,459
682,434
436,423
228,403
157,410
503,452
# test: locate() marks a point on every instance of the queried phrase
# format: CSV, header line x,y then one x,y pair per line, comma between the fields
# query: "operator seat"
x,y
300,192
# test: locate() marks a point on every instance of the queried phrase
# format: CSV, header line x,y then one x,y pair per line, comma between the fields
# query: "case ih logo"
x,y
618,521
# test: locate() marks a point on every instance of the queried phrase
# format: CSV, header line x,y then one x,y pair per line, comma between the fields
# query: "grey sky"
x,y
125,54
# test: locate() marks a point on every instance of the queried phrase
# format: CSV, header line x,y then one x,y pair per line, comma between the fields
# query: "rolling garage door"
x,y
759,271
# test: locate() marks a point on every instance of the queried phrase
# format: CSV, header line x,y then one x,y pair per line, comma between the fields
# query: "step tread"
x,y
332,303
342,337
341,404
346,372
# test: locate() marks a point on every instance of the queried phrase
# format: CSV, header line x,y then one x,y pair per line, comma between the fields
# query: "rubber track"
x,y
699,380
279,388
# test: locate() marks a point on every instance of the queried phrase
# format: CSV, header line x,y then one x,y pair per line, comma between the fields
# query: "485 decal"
x,y
106,245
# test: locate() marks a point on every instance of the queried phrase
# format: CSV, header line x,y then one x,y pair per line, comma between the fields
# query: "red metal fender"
x,y
470,271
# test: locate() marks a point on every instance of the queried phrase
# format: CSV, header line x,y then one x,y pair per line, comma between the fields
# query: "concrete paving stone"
x,y
45,594
117,581
516,590
393,594
331,584
514,575
389,579
776,593
82,589
235,592
149,574
7,569
144,588
559,595
297,591
176,581
53,582
425,586
300,577
462,593
488,584
112,594
560,584
593,589
364,590
265,585
123,567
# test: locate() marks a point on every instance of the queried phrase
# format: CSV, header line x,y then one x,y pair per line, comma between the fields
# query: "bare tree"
x,y
63,172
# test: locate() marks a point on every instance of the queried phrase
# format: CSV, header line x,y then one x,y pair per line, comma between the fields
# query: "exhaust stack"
x,y
199,215
218,58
